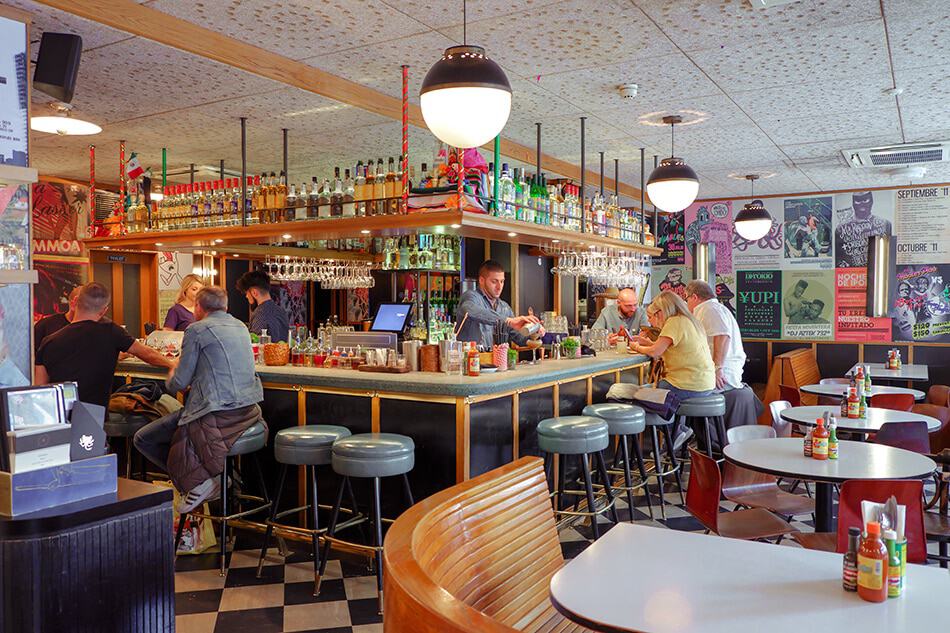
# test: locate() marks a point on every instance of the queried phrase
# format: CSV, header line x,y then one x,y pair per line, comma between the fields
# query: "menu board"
x,y
759,303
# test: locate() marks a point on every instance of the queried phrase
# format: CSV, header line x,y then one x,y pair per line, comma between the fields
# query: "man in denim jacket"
x,y
217,367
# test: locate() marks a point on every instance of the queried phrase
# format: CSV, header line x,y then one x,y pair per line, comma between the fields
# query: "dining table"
x,y
870,423
879,371
837,390
657,580
784,457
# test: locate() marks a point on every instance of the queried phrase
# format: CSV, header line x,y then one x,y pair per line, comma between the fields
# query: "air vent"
x,y
898,155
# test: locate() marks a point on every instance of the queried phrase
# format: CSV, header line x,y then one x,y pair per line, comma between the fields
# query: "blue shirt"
x,y
484,319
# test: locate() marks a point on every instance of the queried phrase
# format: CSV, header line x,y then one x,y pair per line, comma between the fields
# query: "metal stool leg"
x,y
128,458
590,497
315,540
378,521
561,480
627,477
709,451
224,514
331,527
407,490
273,517
602,467
674,465
658,468
638,453
356,510
721,431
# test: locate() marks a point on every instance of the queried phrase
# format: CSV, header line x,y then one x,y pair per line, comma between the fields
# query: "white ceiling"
x,y
778,91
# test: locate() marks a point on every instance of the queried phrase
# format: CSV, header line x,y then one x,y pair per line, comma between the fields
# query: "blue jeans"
x,y
154,440
682,394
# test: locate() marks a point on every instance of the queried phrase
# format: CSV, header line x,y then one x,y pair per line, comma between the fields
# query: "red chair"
x,y
940,438
792,394
909,493
702,501
894,401
938,395
911,436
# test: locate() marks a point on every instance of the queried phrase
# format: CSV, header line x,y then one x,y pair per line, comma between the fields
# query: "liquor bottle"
x,y
249,200
232,201
506,191
370,190
397,188
280,197
819,440
349,208
546,201
313,199
379,188
515,210
288,212
336,197
389,189
849,570
872,564
404,253
359,189
221,203
270,195
324,199
256,195
207,204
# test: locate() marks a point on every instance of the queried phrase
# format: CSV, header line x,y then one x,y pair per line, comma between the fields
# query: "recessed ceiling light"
x,y
741,176
235,255
218,241
510,234
365,231
158,244
688,117
456,226
286,236
555,241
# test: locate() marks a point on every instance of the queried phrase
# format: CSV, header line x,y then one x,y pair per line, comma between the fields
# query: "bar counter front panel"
x,y
461,426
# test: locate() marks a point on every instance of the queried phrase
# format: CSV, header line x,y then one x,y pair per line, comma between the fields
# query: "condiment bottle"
x,y
472,364
854,403
849,571
893,564
844,404
863,407
808,443
872,563
867,381
833,438
819,441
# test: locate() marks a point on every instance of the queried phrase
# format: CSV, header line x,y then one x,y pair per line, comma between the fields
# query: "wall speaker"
x,y
57,65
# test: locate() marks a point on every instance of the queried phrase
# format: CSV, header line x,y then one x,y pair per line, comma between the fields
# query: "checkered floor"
x,y
281,601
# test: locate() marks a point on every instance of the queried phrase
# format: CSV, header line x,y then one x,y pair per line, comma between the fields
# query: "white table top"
x,y
656,580
783,457
906,372
870,424
838,390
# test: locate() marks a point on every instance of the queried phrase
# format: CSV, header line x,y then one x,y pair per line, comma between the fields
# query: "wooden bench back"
x,y
794,368
476,557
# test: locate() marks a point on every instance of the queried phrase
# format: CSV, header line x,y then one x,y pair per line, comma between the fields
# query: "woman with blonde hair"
x,y
688,368
182,314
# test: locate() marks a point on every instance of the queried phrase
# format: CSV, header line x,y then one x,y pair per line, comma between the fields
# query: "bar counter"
x,y
462,426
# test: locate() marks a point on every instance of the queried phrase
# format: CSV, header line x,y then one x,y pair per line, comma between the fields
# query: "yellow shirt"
x,y
688,361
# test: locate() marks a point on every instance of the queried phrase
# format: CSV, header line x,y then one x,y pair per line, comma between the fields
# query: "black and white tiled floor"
x,y
281,601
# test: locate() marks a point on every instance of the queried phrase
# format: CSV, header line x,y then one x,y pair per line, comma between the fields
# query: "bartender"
x,y
623,315
484,311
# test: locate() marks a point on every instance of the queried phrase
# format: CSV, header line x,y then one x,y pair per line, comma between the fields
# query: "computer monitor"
x,y
391,317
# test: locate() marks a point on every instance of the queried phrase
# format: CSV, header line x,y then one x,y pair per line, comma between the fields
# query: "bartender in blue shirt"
x,y
488,312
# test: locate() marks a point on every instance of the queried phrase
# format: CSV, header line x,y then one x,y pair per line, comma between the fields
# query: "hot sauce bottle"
x,y
872,565
854,404
819,441
849,571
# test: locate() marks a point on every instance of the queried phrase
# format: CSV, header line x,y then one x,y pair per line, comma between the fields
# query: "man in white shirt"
x,y
722,332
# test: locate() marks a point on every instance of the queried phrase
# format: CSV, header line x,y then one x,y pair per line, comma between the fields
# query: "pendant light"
x,y
62,122
753,222
465,97
673,185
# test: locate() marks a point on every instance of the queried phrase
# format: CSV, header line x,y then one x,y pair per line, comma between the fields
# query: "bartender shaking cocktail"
x,y
622,316
484,311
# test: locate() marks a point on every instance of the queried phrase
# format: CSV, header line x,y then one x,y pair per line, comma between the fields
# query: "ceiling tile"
x,y
444,13
698,139
47,18
829,178
827,128
710,23
919,32
771,181
643,120
831,150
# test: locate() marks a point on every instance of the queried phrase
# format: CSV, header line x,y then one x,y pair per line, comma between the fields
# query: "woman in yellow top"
x,y
689,370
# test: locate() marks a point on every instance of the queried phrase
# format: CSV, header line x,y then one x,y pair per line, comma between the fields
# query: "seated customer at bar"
x,y
55,322
86,350
217,365
484,311
266,314
722,333
688,366
624,313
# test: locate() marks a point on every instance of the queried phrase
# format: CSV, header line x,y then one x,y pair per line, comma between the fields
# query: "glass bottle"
x,y
336,197
290,204
359,190
369,192
849,570
349,194
379,188
872,565
270,196
280,197
324,199
313,199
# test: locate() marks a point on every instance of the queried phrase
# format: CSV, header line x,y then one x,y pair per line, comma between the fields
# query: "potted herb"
x,y
570,347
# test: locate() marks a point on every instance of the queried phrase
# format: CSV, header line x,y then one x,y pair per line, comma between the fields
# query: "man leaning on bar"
x,y
623,314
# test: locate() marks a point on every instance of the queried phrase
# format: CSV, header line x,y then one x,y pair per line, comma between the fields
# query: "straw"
x,y
461,323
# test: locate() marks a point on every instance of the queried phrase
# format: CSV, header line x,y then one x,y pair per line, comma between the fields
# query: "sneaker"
x,y
682,438
207,490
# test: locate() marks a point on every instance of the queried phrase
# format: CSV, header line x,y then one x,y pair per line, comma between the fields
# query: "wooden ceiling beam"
x,y
151,24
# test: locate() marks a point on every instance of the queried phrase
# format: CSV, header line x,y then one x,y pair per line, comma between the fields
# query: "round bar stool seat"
x,y
373,455
309,445
622,419
123,424
573,435
252,439
703,407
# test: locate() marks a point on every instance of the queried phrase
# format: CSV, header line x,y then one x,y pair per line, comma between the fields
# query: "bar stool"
x,y
369,456
673,467
308,446
626,421
251,441
580,435
705,410
126,425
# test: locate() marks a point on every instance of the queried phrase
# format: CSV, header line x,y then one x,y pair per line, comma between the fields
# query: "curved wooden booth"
x,y
478,556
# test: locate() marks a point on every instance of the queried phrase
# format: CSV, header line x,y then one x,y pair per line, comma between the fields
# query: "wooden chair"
x,y
791,394
937,524
749,489
795,368
911,436
853,491
782,428
478,556
702,501
893,401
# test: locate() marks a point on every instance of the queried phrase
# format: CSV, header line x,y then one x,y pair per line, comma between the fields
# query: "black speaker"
x,y
57,65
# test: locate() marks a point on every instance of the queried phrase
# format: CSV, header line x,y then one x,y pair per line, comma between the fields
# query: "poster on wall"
x,y
60,218
357,305
808,235
670,237
851,320
920,308
726,291
673,278
13,93
172,268
807,304
56,280
710,222
858,216
15,351
923,225
766,252
759,303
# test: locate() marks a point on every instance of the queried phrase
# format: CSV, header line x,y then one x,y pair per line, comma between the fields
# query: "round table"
x,y
871,424
783,457
836,390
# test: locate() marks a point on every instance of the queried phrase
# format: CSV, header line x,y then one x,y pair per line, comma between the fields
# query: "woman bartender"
x,y
483,311
182,314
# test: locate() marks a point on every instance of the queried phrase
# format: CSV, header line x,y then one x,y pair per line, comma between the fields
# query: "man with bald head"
x,y
623,314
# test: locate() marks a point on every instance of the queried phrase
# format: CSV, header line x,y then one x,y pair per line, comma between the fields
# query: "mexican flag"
x,y
132,168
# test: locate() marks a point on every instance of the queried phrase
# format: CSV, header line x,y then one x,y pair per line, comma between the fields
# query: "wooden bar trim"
x,y
118,304
557,399
515,426
590,390
463,440
302,470
374,413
